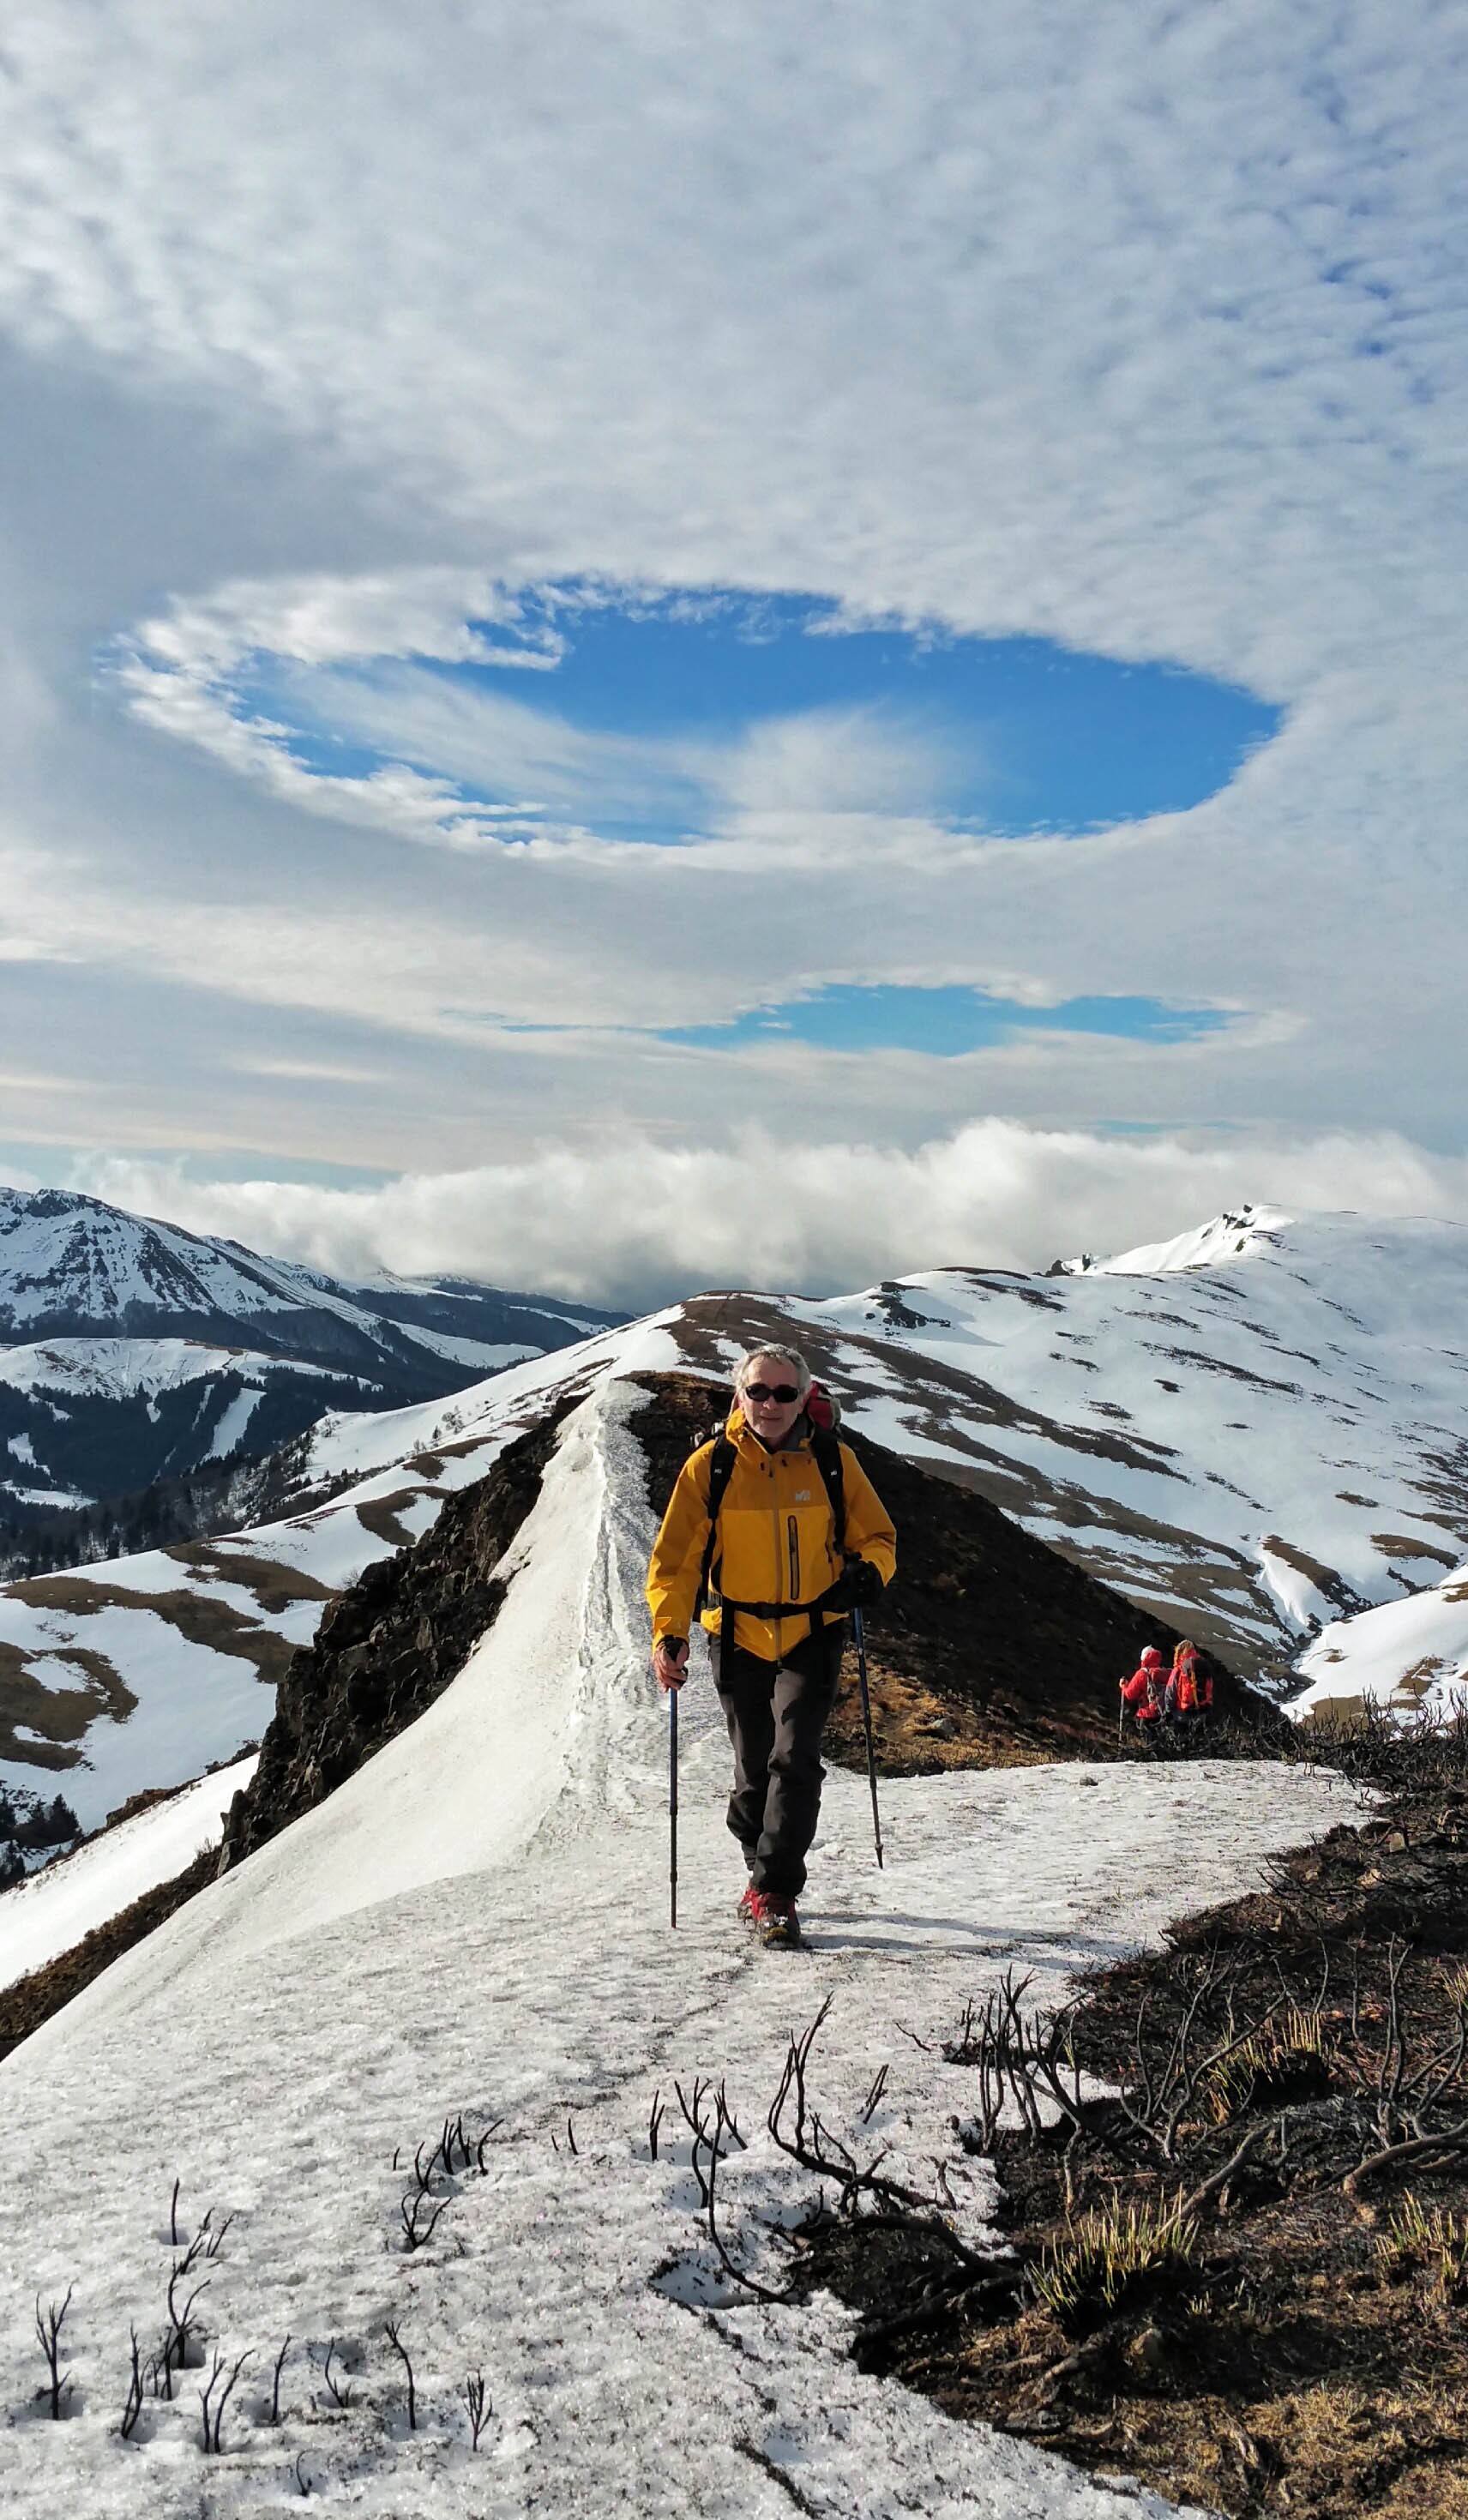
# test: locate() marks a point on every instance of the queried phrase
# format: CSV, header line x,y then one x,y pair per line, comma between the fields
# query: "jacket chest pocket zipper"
x,y
793,1530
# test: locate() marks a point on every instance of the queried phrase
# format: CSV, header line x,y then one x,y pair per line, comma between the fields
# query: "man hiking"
x,y
796,1538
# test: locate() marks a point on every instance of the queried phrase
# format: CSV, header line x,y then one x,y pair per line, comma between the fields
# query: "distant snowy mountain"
x,y
1250,1431
131,1351
1257,1428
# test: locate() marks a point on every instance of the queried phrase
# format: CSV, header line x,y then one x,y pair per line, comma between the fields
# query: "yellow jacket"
x,y
777,1540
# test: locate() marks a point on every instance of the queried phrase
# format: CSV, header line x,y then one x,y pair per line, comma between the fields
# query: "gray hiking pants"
x,y
776,1713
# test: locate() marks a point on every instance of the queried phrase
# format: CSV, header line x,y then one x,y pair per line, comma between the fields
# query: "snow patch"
x,y
230,1430
47,1914
1410,1657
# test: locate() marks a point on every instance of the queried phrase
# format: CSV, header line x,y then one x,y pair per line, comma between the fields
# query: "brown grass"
x,y
273,1584
57,1717
916,1732
381,1516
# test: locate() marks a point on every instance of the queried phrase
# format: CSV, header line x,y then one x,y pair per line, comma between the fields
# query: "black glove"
x,y
855,1588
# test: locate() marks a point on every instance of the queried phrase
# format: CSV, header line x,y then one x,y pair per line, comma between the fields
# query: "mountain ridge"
x,y
1242,1449
132,1350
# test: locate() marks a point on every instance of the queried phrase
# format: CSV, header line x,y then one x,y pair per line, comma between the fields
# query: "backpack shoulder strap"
x,y
828,1461
720,1471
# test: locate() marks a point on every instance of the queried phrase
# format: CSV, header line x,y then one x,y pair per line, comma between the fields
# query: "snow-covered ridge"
x,y
114,1369
476,1922
1267,1429
138,1672
1237,1235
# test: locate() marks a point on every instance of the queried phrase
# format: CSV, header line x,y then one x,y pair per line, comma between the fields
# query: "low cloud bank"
x,y
634,1223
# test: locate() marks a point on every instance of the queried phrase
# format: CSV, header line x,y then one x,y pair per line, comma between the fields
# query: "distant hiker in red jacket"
x,y
1144,1693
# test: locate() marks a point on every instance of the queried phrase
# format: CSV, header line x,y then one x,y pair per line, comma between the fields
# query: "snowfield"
x,y
51,1911
476,1923
1410,1657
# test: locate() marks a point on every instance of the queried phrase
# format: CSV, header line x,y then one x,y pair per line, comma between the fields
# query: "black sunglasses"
x,y
782,1391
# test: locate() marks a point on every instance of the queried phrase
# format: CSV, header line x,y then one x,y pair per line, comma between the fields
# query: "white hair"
x,y
787,1356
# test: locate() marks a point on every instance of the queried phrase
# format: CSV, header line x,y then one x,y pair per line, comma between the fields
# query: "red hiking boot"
x,y
750,1904
776,1918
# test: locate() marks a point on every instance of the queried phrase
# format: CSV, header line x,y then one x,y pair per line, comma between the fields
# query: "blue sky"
x,y
1010,735
945,1023
986,490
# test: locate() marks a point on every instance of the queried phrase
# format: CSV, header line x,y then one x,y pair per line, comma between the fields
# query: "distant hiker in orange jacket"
x,y
1144,1693
1188,1698
797,1537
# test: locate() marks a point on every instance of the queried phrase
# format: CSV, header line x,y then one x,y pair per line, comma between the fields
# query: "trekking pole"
x,y
1121,1712
876,1819
672,1806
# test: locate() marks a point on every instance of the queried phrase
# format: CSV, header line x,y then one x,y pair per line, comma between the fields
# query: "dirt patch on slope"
x,y
276,1584
382,1517
54,1719
200,1618
988,1648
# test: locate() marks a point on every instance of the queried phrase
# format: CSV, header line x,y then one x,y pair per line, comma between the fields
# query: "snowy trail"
x,y
280,2039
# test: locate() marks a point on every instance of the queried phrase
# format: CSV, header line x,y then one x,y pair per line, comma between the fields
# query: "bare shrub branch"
x,y
274,2416
213,2427
393,2335
48,2328
339,2392
134,2406
479,2406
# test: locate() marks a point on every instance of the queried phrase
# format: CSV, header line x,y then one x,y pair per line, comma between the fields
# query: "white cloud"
x,y
1129,327
635,1220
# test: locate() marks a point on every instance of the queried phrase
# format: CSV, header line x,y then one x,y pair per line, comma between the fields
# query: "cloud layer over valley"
x,y
641,1220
